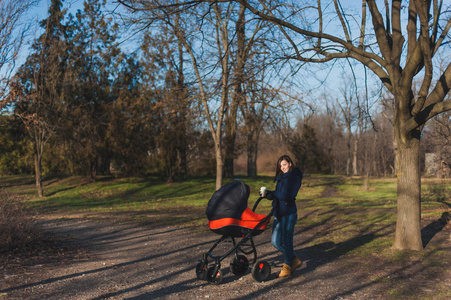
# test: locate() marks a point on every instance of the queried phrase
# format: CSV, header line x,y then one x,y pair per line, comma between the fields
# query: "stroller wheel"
x,y
212,277
261,271
201,271
239,265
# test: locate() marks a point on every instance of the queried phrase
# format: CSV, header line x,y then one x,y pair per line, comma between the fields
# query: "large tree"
x,y
97,67
398,43
407,36
166,92
208,52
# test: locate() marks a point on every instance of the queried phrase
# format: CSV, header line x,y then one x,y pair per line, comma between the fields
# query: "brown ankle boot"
x,y
296,264
286,271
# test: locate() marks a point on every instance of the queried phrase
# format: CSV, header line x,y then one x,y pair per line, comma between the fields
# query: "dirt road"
x,y
120,261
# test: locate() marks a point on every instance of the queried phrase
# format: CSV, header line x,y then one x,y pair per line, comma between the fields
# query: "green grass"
x,y
336,208
335,212
135,199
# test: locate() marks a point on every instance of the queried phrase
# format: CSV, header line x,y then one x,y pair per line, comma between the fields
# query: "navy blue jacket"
x,y
288,185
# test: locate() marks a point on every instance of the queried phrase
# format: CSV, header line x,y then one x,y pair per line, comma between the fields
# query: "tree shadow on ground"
x,y
315,256
428,232
109,239
320,254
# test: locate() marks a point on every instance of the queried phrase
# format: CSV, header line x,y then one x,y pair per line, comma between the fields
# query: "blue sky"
x,y
307,84
40,13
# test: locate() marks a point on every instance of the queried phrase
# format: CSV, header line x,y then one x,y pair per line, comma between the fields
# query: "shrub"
x,y
16,223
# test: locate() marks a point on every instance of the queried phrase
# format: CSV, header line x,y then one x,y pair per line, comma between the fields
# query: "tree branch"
x,y
363,25
442,36
425,46
379,29
397,37
434,103
342,21
320,25
349,47
284,32
411,30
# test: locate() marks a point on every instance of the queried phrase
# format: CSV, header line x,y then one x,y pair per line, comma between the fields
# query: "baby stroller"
x,y
229,216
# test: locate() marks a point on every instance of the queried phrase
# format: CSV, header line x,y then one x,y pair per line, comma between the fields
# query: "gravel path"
x,y
123,261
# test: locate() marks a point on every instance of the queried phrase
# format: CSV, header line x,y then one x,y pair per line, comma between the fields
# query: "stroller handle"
x,y
268,216
258,201
256,204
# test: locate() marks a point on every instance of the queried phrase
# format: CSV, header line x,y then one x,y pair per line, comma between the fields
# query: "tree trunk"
x,y
231,120
408,227
348,155
182,98
229,144
354,159
395,162
366,182
252,150
93,170
219,167
38,174
170,163
182,155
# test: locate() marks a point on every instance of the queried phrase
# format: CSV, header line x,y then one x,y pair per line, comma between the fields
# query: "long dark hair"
x,y
278,169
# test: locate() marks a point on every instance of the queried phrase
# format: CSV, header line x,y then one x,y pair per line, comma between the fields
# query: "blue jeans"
x,y
282,236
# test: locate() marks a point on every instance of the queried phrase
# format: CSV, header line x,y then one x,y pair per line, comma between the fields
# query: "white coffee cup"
x,y
263,191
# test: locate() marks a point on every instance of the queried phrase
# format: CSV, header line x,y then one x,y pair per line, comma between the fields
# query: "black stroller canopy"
x,y
229,201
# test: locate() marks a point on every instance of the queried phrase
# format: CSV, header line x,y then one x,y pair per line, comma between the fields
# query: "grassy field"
x,y
340,207
357,220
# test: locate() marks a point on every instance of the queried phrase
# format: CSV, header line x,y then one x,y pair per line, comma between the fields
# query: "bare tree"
x,y
397,56
398,46
237,96
251,94
38,89
440,139
208,48
349,107
255,116
13,29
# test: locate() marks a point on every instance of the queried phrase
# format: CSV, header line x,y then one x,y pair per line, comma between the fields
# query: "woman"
x,y
289,179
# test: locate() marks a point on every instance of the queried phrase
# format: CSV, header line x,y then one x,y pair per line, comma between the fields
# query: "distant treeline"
x,y
81,105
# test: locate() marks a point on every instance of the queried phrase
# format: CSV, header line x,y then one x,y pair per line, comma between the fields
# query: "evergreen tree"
x,y
167,94
308,155
14,147
129,131
95,45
